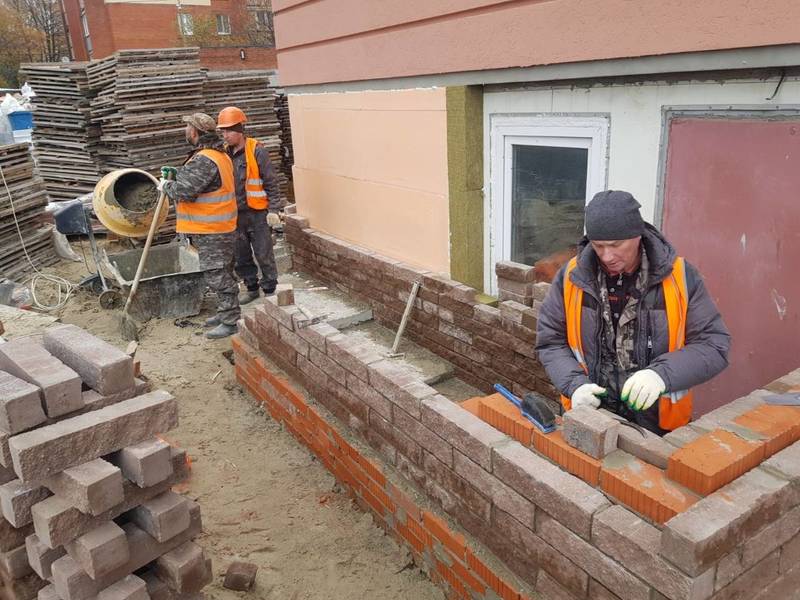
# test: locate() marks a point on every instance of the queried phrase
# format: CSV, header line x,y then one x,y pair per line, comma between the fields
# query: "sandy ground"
x,y
264,497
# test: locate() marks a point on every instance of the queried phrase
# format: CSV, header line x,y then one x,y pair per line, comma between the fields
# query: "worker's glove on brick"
x,y
169,172
273,219
587,395
642,389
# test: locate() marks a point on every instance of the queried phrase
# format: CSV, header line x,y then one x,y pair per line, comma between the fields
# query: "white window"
x,y
186,24
262,19
223,25
543,170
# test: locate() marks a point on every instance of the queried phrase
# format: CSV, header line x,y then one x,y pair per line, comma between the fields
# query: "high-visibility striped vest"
x,y
254,185
211,212
674,409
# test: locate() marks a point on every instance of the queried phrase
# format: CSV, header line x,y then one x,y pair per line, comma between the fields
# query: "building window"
x,y
262,20
223,25
186,24
543,169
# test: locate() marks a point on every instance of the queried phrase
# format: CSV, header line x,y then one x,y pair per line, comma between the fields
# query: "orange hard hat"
x,y
230,116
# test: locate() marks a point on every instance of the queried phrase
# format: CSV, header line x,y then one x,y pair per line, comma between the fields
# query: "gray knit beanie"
x,y
613,215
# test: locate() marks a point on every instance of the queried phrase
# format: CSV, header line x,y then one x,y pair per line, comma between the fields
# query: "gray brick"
x,y
757,578
240,576
352,355
185,569
648,447
711,528
284,294
513,271
790,554
10,536
129,588
17,498
14,563
92,487
102,366
424,437
785,464
370,396
388,378
146,463
20,404
547,587
297,343
41,557
45,451
101,550
48,593
466,432
634,543
590,431
410,397
567,498
163,517
60,386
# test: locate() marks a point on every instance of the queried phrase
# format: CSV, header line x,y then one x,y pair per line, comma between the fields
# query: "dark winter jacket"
x,y
707,339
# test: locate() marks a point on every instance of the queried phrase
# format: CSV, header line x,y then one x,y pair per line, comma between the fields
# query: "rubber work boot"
x,y
247,297
221,331
212,321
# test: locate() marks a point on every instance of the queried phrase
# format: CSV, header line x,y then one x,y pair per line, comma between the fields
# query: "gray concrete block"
x,y
102,366
40,557
60,386
101,550
163,517
57,522
48,450
15,562
92,487
48,593
10,536
17,498
146,463
6,475
129,588
5,450
94,400
20,404
240,576
185,569
591,431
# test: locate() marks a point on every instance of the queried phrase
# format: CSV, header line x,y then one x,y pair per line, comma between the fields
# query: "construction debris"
x,y
24,209
93,516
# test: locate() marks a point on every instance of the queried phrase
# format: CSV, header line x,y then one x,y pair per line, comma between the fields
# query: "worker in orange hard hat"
x,y
258,200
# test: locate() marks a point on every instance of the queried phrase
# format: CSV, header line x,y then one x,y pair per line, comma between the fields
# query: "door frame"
x,y
532,127
728,111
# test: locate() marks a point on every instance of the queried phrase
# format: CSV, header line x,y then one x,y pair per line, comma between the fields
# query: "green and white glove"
x,y
273,220
587,395
642,389
169,172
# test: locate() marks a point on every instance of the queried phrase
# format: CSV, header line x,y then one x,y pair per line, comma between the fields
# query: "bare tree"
x,y
250,25
44,16
18,43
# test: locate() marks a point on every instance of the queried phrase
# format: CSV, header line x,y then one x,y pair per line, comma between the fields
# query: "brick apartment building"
x,y
232,34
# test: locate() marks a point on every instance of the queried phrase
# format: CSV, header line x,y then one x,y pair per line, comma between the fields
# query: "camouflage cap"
x,y
201,122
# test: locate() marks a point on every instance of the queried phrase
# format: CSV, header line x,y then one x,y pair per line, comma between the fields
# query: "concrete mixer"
x,y
125,200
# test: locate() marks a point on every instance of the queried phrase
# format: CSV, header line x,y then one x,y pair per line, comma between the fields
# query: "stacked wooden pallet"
x,y
22,200
65,141
287,150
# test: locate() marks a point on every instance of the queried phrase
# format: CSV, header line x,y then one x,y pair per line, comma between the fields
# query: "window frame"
x,y
183,19
224,19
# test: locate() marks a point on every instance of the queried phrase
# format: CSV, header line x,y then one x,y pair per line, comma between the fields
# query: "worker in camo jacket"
x,y
258,200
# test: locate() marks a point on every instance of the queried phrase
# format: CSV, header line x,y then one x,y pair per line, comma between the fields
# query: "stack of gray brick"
x,y
85,481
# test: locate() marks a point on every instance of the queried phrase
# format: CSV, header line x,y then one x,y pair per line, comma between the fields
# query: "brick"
x,y
371,397
516,288
92,487
460,495
14,563
714,526
410,397
146,463
423,436
388,378
185,569
48,593
20,405
785,464
643,487
163,517
723,417
100,365
284,294
599,566
554,491
504,416
779,424
60,386
590,431
57,522
784,586
549,588
353,356
6,475
10,536
714,460
513,271
283,314
73,583
45,451
317,335
40,557
554,446
756,578
790,554
681,436
101,550
635,543
17,498
467,433
771,537
648,447
502,496
129,588
240,576
94,400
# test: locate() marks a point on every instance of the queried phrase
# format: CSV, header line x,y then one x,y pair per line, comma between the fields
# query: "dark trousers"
x,y
254,246
216,260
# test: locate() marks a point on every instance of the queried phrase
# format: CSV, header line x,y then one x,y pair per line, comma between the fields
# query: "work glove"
x,y
160,185
273,220
169,172
642,389
587,395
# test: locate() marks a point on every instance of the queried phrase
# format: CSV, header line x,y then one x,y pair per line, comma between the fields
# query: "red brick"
x,y
572,460
472,405
779,424
643,487
714,460
455,542
504,416
409,536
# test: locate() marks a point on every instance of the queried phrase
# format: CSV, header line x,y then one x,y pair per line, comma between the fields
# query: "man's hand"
x,y
169,172
273,220
587,395
642,389
160,185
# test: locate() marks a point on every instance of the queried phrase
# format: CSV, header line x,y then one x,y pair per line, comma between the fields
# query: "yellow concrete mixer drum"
x,y
125,202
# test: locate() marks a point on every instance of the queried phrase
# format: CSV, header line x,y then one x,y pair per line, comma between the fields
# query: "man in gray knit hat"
x,y
627,324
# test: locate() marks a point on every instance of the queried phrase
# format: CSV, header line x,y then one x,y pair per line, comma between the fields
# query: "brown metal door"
x,y
732,208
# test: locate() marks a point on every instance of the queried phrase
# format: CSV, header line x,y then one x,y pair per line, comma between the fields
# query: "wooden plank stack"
x,y
29,198
65,141
287,151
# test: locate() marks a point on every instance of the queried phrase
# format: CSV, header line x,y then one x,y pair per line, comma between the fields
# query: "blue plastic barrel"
x,y
22,119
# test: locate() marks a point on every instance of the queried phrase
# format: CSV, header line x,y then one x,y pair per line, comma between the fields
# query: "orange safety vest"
x,y
254,185
675,409
211,212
